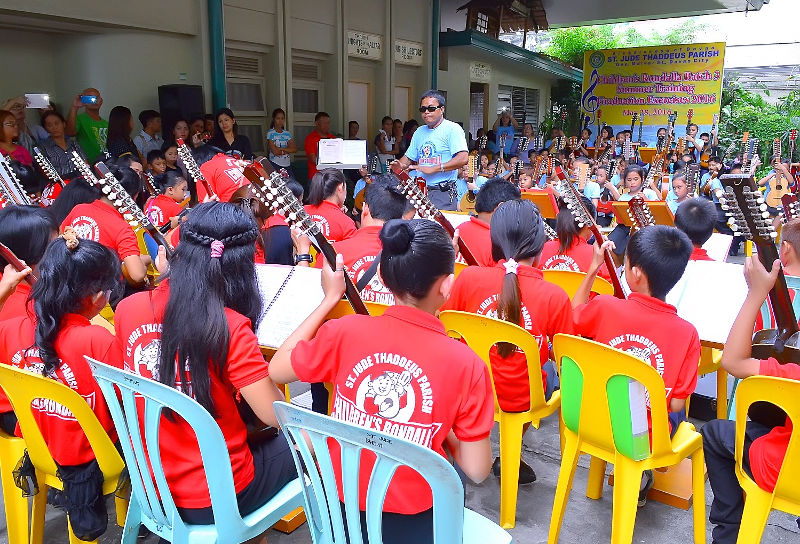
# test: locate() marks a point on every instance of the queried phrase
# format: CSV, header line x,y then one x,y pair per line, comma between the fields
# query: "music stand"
x,y
661,213
647,154
620,209
544,201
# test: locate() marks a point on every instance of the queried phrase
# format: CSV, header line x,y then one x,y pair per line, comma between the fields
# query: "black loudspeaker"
x,y
179,102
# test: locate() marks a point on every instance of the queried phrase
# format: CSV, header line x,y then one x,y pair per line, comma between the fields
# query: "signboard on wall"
x,y
653,81
406,52
480,72
364,46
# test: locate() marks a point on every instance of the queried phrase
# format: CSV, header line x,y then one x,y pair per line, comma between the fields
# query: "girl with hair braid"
x,y
195,332
515,291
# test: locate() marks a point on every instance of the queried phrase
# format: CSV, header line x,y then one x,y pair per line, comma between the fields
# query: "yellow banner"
x,y
653,82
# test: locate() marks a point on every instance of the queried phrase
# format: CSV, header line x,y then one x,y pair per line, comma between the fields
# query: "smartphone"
x,y
88,99
37,100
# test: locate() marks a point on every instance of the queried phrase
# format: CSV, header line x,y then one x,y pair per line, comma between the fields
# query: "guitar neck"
x,y
779,299
612,270
350,289
191,165
14,261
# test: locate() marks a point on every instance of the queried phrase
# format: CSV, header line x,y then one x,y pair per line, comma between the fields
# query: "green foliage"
x,y
569,44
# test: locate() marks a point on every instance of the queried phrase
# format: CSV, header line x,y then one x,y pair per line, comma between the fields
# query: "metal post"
x,y
435,24
216,33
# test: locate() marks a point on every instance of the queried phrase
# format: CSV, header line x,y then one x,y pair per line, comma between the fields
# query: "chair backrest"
x,y
569,281
150,487
458,268
23,387
768,320
785,394
598,399
481,333
343,308
321,496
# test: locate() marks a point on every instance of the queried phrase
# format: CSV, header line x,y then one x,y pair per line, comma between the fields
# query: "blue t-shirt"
x,y
434,147
591,189
509,132
648,193
715,184
280,139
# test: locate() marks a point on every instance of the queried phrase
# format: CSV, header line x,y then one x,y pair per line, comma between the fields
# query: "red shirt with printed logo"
x,y
16,304
649,329
546,311
577,257
161,209
76,337
311,147
699,254
101,222
767,452
333,222
137,322
224,175
475,233
401,374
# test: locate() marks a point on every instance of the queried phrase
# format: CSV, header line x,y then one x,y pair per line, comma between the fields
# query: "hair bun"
x,y
396,236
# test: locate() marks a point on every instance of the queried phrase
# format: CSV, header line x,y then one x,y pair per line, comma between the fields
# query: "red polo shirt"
x,y
16,304
399,373
101,222
224,174
546,311
311,147
359,252
475,234
699,254
161,209
333,222
577,257
137,323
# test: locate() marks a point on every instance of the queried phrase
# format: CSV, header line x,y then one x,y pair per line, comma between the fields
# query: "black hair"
x,y
634,168
566,227
296,188
225,282
217,129
148,115
204,153
351,123
385,117
50,113
323,184
608,129
209,117
517,233
26,230
432,93
384,200
31,179
196,117
154,154
408,125
66,278
715,158
77,191
127,177
493,193
680,164
320,115
167,144
696,217
168,179
415,255
580,160
661,253
706,134
275,112
119,119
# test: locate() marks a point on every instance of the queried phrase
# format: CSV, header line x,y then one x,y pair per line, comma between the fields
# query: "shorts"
x,y
400,528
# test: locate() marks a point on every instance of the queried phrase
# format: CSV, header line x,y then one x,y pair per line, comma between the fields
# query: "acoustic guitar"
x,y
794,169
11,189
706,154
467,203
778,184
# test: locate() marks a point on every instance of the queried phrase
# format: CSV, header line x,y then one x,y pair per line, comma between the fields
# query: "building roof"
x,y
479,40
516,15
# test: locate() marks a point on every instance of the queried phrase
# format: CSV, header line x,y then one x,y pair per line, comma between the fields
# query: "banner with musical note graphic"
x,y
653,82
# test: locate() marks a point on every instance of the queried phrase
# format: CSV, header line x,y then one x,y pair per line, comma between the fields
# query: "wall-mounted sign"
x,y
480,72
364,46
406,52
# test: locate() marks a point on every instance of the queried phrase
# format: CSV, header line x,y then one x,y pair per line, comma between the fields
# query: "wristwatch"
x,y
441,167
303,257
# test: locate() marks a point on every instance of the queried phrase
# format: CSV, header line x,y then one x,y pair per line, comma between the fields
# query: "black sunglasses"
x,y
429,109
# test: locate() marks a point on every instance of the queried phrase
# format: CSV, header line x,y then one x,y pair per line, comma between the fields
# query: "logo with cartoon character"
x,y
388,394
146,358
87,228
428,150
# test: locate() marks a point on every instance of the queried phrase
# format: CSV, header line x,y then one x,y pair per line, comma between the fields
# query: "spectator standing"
x,y
9,133
120,126
386,146
280,142
88,127
149,139
322,127
227,137
58,147
17,107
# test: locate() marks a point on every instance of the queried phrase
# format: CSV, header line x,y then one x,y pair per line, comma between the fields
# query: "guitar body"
x,y
778,186
467,203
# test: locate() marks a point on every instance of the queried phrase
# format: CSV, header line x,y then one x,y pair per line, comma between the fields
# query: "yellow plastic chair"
x,y
459,268
22,387
759,503
587,370
16,506
481,333
711,361
569,281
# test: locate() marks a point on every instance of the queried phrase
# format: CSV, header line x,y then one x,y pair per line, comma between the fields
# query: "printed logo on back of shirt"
x,y
155,215
561,262
375,290
86,227
324,226
643,349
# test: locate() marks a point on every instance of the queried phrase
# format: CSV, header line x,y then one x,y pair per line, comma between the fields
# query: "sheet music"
x,y
342,154
300,296
718,246
456,219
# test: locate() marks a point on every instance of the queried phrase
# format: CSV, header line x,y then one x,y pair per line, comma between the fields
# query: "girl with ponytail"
x,y
571,251
515,291
195,332
400,371
326,195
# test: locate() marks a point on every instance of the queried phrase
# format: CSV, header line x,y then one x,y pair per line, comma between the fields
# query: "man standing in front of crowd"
x,y
440,149
322,130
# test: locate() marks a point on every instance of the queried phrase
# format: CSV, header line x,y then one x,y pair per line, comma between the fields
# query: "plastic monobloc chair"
x,y
597,416
452,522
481,334
569,281
22,388
16,506
151,503
759,503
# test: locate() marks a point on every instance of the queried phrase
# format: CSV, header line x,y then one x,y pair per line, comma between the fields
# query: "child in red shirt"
x,y
166,207
326,196
75,279
570,251
475,232
214,336
224,174
400,373
515,291
764,448
696,217
26,231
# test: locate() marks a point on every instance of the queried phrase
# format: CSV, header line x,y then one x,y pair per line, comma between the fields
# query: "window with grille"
x,y
307,98
246,96
482,24
523,103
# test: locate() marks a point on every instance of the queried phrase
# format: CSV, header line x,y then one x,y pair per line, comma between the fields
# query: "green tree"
x,y
569,44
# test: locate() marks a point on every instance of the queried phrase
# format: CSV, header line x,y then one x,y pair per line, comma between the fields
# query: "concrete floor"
x,y
585,520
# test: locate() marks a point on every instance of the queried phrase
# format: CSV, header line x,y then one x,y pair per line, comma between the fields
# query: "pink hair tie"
x,y
217,248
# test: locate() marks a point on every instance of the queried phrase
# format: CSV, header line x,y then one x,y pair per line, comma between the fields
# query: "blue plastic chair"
x,y
451,520
151,500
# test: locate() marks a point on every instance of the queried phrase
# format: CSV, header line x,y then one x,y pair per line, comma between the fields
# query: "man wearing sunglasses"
x,y
440,149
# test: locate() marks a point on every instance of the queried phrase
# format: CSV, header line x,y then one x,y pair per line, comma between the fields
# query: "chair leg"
x,y
699,497
627,480
37,512
757,507
510,457
597,473
722,394
16,506
569,460
133,521
121,504
74,539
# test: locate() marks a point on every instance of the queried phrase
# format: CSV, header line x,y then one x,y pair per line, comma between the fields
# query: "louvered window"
x,y
245,88
524,104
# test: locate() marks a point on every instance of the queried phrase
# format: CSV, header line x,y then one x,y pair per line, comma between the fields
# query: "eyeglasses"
x,y
429,109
